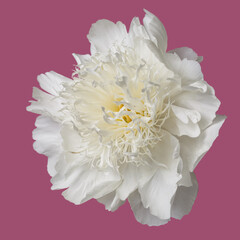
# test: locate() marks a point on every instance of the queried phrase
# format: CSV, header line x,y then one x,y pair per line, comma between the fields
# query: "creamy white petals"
x,y
111,201
179,128
133,123
137,30
142,214
156,31
185,115
192,150
185,52
204,103
133,177
91,183
184,199
46,104
48,141
186,175
104,34
52,82
188,70
81,59
167,152
49,104
158,192
72,140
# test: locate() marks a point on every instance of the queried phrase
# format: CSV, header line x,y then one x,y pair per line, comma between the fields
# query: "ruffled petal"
x,y
188,53
133,177
179,128
91,183
142,214
156,31
111,201
48,141
158,192
46,104
104,34
49,104
193,149
189,70
204,103
137,30
184,199
185,115
52,82
81,59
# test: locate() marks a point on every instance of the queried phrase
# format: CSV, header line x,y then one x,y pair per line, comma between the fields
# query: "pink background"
x,y
39,36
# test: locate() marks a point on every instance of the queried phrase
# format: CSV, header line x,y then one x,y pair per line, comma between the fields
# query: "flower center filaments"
x,y
124,102
126,118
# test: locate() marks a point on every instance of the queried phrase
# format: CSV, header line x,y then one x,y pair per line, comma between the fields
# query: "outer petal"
x,y
185,115
157,194
104,34
81,59
52,82
189,70
179,128
156,31
48,141
205,103
148,51
137,30
111,201
188,53
142,214
46,104
91,183
184,199
193,149
133,177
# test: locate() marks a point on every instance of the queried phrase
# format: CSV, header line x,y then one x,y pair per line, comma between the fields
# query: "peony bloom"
x,y
132,124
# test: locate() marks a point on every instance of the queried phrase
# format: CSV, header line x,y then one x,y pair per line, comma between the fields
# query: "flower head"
x,y
132,123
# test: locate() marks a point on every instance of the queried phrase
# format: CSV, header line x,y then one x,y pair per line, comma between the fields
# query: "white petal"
x,y
48,141
76,147
137,30
193,149
104,34
142,214
81,59
157,194
179,128
133,177
184,114
189,70
204,103
147,50
186,175
46,105
167,152
156,31
111,201
184,199
91,183
52,82
188,53
72,141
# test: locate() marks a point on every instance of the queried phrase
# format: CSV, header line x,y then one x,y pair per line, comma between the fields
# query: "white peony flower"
x,y
133,123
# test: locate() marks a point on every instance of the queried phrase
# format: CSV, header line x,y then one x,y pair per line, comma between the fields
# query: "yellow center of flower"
x,y
126,118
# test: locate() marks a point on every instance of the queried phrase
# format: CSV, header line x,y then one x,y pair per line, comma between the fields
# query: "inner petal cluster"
x,y
122,102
